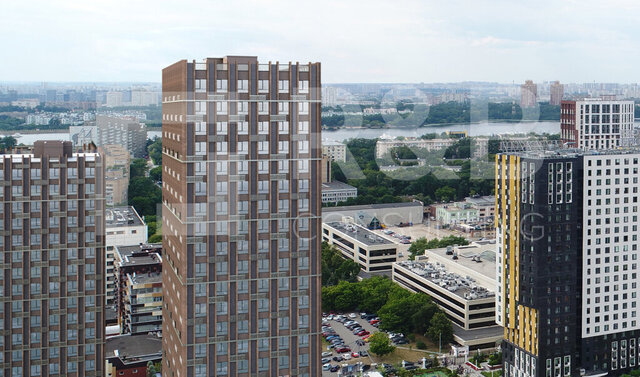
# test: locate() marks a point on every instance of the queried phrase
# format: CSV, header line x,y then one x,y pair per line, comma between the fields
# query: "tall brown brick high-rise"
x,y
241,218
53,256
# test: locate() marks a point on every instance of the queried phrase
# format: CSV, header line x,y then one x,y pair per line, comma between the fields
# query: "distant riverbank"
x,y
472,129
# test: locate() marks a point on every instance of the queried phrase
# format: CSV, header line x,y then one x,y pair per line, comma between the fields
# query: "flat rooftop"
x,y
132,249
479,333
141,259
132,347
464,287
121,217
485,250
151,277
372,206
336,186
572,153
359,233
482,200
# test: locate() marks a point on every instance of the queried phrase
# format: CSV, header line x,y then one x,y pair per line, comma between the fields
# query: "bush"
x,y
421,345
495,359
380,344
412,337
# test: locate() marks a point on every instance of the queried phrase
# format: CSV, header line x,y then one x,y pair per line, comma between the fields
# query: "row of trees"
x,y
143,192
399,310
443,113
421,244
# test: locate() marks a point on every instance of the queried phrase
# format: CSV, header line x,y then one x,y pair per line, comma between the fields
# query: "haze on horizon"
x,y
357,41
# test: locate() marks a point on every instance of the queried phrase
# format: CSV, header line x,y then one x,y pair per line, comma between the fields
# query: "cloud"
x,y
356,41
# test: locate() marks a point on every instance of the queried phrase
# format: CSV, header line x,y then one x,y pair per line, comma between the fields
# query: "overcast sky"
x,y
355,40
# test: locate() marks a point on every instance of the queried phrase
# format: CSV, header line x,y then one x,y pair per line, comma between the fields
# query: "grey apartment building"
x,y
241,218
122,130
52,247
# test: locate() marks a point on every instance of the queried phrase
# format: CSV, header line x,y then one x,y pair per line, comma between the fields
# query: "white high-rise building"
x,y
597,123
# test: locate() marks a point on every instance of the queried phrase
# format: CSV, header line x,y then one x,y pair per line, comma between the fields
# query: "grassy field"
x,y
325,344
400,354
431,346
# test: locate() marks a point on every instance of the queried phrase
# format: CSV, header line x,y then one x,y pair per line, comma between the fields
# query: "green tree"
x,y
348,298
155,150
156,238
138,168
496,359
144,195
445,194
335,268
7,143
152,369
156,173
375,293
380,345
440,328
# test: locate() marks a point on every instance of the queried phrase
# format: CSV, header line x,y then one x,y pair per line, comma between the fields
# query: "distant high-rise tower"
x,y
597,123
556,93
53,254
241,218
528,94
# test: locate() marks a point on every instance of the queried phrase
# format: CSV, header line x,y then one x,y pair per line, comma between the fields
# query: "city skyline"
x,y
411,41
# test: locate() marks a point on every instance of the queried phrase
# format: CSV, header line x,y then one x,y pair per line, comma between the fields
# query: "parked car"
x,y
355,354
352,315
334,369
326,354
326,366
338,358
347,356
325,360
364,353
343,349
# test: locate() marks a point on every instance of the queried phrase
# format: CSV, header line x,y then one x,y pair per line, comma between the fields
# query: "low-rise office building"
x,y
372,252
334,192
387,213
455,213
486,206
461,280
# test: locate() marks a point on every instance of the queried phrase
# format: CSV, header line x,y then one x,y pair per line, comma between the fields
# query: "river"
x,y
476,129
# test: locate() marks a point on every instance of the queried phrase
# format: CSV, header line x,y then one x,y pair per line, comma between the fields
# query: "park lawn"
x,y
431,346
400,354
325,344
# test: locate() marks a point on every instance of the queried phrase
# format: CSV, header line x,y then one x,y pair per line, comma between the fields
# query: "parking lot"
x,y
350,340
